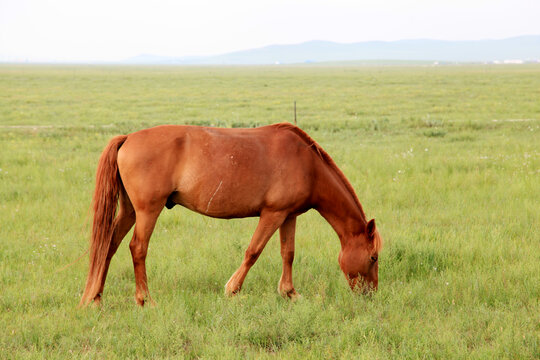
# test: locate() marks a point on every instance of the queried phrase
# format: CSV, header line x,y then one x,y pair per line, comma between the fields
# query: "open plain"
x,y
446,158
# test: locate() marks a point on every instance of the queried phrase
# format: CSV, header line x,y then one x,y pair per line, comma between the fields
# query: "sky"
x,y
114,30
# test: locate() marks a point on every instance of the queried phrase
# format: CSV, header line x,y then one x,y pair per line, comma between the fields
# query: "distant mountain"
x,y
523,48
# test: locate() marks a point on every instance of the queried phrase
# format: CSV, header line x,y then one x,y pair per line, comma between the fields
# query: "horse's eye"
x,y
373,259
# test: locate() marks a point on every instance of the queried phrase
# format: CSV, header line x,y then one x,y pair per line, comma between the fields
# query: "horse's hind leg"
x,y
268,224
286,234
122,224
146,220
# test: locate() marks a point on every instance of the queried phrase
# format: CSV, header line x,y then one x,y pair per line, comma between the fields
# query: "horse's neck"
x,y
338,206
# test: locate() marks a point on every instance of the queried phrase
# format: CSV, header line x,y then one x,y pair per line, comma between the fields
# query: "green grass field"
x,y
447,159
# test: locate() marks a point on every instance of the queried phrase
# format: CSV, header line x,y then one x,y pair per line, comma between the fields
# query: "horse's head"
x,y
359,259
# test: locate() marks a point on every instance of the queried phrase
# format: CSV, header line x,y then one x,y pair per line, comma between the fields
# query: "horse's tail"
x,y
108,186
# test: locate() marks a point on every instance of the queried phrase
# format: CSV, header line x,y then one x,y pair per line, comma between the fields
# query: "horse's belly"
x,y
231,178
222,198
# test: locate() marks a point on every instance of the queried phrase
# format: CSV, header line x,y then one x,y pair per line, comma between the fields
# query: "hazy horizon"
x,y
78,31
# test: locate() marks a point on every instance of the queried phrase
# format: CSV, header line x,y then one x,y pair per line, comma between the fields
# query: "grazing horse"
x,y
275,172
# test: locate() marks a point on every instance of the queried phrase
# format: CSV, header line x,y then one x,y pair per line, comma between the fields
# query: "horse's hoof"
x,y
294,296
148,301
231,290
96,302
231,293
290,294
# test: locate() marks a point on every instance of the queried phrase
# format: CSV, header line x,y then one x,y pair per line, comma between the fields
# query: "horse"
x,y
275,172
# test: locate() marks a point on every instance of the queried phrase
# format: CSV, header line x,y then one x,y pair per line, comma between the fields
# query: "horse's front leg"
x,y
269,222
286,234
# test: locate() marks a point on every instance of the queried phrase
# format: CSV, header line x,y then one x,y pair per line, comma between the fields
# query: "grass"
x,y
447,159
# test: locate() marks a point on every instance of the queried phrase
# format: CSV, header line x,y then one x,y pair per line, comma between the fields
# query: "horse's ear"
x,y
370,228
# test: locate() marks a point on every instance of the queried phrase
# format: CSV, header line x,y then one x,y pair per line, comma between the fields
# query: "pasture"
x,y
447,159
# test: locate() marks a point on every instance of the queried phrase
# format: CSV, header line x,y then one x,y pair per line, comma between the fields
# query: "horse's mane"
x,y
325,157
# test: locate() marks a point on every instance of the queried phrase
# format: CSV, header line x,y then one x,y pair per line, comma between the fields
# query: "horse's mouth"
x,y
360,285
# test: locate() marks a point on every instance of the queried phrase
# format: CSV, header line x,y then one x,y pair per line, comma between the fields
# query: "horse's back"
x,y
218,172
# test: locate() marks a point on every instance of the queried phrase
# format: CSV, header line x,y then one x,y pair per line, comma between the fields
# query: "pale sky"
x,y
112,30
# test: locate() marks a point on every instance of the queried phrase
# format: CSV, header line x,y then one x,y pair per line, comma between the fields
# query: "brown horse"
x,y
276,172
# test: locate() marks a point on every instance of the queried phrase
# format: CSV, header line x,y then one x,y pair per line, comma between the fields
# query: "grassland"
x,y
447,159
